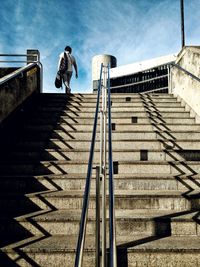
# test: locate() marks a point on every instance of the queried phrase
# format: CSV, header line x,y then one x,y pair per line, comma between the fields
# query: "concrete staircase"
x,y
156,147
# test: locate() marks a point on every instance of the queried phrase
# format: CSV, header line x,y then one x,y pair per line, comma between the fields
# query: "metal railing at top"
x,y
101,175
149,79
30,64
20,55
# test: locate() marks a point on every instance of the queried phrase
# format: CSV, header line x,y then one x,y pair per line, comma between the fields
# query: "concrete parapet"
x,y
14,91
183,85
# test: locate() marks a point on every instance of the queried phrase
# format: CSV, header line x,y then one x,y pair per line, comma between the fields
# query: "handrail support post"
x,y
98,249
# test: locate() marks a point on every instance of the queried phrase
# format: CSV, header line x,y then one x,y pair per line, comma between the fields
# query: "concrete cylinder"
x,y
96,66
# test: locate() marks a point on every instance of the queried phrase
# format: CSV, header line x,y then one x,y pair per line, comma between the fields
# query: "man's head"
x,y
68,48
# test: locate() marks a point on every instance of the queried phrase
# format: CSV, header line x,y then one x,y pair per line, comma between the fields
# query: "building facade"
x,y
138,77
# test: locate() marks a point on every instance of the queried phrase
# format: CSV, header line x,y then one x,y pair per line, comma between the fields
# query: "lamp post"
x,y
182,23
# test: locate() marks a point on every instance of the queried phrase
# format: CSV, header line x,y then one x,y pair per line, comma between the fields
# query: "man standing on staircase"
x,y
65,65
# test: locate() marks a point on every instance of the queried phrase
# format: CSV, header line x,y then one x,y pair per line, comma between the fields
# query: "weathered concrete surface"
x,y
156,184
14,92
182,84
6,71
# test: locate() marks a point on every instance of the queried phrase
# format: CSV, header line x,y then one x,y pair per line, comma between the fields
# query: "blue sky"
x,y
131,30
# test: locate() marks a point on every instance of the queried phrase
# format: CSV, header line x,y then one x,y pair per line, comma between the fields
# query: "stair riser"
x,y
185,228
61,168
88,117
53,259
115,97
157,259
134,259
117,101
88,136
177,169
124,145
123,227
130,202
135,103
67,228
19,185
130,127
78,110
89,127
115,135
20,156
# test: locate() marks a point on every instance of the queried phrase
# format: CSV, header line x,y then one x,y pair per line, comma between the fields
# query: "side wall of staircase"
x,y
14,91
183,85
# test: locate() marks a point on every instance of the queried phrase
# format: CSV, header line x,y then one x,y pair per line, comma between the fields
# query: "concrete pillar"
x,y
96,66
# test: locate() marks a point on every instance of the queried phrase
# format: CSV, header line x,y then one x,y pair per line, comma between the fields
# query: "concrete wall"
x,y
184,86
15,91
6,71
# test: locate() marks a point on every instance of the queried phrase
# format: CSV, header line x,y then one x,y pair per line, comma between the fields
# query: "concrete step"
x,y
46,133
127,118
66,222
119,120
123,114
29,184
124,103
124,144
121,166
126,127
83,155
124,99
88,118
59,251
134,108
168,251
124,199
92,96
114,97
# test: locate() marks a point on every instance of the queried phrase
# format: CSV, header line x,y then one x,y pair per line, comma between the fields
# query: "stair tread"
x,y
114,131
85,162
118,193
119,140
141,215
116,176
164,244
56,243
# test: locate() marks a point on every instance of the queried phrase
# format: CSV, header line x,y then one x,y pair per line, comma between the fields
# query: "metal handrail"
x,y
113,252
30,64
20,72
83,221
17,72
186,71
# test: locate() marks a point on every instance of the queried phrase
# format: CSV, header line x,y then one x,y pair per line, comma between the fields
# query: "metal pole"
x,y
113,250
182,23
169,79
98,217
104,176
